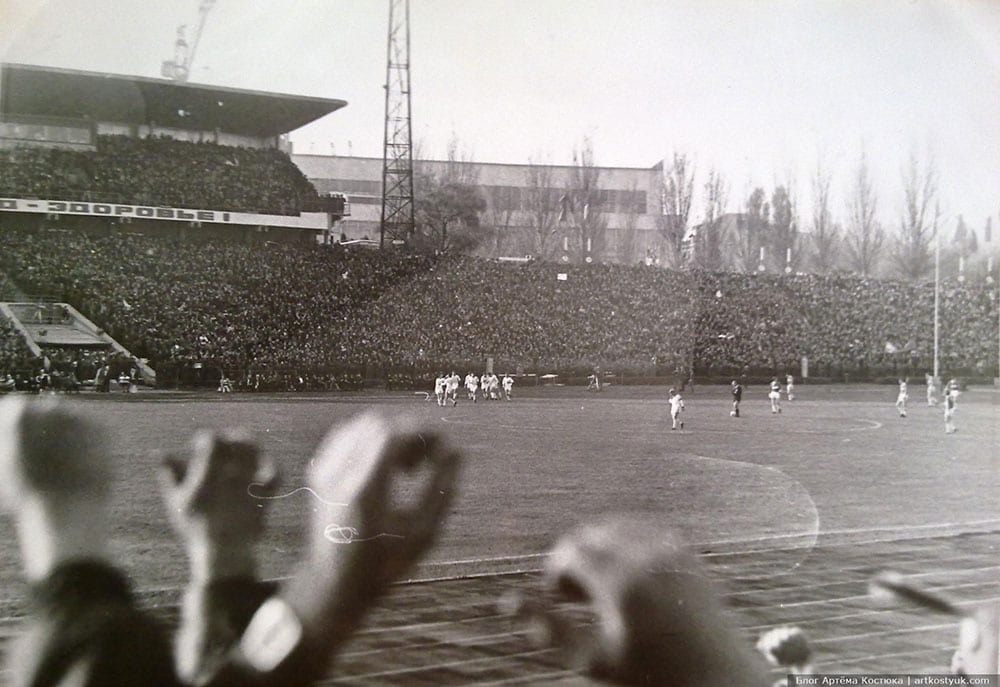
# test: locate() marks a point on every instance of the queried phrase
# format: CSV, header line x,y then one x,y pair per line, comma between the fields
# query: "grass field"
x,y
792,511
838,461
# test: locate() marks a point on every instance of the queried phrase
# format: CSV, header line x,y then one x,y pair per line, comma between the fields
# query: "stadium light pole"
x,y
398,213
996,303
937,296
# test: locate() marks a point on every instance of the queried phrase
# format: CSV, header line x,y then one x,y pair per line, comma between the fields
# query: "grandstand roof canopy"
x,y
70,94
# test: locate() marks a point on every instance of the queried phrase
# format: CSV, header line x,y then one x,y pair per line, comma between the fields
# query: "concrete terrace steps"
x,y
60,324
62,335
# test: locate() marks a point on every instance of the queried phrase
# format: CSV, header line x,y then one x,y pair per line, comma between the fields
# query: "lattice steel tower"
x,y
397,153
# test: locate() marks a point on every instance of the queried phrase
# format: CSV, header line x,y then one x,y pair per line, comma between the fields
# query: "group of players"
x,y
950,399
676,401
773,394
493,387
951,392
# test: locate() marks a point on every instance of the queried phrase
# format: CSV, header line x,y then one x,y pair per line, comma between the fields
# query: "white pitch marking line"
x,y
493,559
856,597
420,627
883,633
471,422
861,659
766,566
847,616
746,592
530,679
464,641
860,530
901,528
449,664
751,540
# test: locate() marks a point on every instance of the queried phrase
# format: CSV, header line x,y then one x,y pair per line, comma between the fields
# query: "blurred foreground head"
x,y
54,479
48,451
653,617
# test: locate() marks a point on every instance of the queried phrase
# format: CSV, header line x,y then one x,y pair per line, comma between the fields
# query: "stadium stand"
x,y
314,317
159,171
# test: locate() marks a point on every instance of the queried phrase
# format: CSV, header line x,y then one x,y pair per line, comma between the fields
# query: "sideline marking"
x,y
468,422
908,576
860,614
485,660
693,545
862,659
859,597
754,540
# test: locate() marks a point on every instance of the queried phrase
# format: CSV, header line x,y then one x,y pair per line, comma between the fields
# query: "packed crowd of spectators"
x,y
535,315
844,325
14,352
299,312
159,171
239,306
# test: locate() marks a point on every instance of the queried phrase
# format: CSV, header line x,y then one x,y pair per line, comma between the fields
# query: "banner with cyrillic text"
x,y
305,220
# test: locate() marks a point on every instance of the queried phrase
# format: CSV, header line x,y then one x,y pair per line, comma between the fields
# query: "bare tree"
x,y
628,234
751,231
582,204
865,237
502,207
988,256
912,254
825,234
783,234
448,204
677,194
541,203
460,167
964,245
711,234
966,240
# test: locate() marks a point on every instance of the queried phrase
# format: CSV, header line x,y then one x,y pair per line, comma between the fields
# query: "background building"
x,y
527,208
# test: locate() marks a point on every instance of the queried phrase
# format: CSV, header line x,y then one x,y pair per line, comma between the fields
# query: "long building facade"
x,y
526,209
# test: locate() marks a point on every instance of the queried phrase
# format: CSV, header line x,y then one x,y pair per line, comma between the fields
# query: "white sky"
x,y
759,90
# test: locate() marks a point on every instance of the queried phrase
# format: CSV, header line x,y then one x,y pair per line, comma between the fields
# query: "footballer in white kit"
x,y
452,382
931,390
950,404
472,386
775,395
508,384
676,406
901,398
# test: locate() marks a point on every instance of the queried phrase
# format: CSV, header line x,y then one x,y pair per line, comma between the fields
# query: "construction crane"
x,y
179,68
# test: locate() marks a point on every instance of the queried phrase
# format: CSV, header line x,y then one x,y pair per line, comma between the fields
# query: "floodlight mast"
x,y
937,301
397,225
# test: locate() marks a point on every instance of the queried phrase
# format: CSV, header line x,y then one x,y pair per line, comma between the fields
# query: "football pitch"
x,y
838,467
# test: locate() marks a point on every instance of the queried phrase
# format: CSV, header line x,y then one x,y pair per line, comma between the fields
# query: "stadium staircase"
x,y
9,291
49,323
